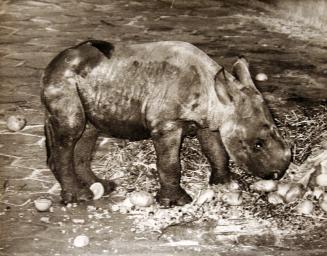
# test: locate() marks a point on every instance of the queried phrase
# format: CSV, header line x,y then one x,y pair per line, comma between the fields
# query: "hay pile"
x,y
132,165
305,129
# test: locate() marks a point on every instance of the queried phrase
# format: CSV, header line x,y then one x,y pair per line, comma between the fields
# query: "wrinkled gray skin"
x,y
163,91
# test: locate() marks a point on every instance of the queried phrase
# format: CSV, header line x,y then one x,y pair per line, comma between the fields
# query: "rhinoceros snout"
x,y
279,166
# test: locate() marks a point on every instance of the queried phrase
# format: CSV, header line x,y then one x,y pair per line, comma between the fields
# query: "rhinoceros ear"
x,y
222,87
242,73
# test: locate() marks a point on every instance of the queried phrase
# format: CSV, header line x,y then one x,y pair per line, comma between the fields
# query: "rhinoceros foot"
x,y
76,194
168,197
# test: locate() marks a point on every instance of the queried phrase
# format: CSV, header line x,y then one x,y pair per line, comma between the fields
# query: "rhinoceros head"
x,y
248,131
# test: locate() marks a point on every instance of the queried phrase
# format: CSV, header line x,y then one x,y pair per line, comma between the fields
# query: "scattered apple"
x,y
275,198
264,185
261,77
282,188
305,207
16,123
205,196
232,198
81,241
294,193
97,190
233,186
42,204
323,196
323,205
141,198
317,192
323,165
321,180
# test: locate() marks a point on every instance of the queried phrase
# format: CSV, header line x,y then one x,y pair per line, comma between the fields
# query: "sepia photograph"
x,y
163,127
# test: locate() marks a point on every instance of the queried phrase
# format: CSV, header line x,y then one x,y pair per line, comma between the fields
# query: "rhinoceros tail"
x,y
48,140
105,47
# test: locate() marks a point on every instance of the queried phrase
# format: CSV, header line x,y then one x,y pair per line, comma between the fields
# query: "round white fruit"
x,y
321,180
233,186
323,197
264,185
205,196
282,188
141,198
81,241
305,207
275,198
323,165
16,123
323,205
261,77
317,192
42,204
232,198
294,193
97,190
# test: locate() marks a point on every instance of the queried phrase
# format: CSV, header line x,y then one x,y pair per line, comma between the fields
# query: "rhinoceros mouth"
x,y
275,175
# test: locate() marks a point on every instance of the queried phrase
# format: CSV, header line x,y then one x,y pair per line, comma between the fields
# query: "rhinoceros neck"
x,y
218,113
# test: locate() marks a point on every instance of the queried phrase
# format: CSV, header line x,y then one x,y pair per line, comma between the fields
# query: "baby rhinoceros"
x,y
163,91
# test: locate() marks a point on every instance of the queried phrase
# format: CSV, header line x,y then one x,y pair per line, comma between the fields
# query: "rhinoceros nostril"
x,y
276,175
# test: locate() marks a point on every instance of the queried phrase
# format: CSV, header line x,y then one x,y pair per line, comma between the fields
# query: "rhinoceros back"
x,y
135,86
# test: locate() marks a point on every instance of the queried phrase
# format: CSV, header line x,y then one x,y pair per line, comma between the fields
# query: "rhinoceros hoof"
x,y
168,198
76,195
222,179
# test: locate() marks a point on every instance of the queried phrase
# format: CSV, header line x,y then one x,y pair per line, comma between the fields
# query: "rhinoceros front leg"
x,y
214,150
167,145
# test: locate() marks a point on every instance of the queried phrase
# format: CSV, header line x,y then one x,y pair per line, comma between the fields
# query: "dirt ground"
x,y
33,32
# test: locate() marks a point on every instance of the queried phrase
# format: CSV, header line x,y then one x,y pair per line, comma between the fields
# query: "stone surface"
x,y
33,32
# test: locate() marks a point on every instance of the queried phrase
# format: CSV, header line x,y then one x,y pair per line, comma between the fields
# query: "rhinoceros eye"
x,y
259,144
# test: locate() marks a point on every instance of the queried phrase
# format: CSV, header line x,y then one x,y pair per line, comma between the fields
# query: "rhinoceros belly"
x,y
115,110
125,122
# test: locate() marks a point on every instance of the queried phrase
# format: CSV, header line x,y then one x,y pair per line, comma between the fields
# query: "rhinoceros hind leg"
x,y
60,145
83,156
